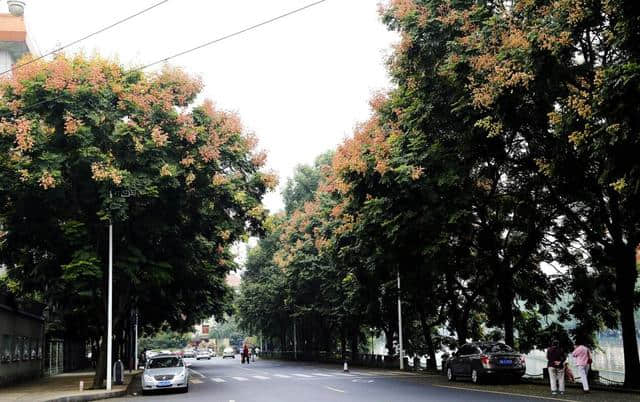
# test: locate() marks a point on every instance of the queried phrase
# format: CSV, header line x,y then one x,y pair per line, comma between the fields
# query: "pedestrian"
x,y
245,353
582,356
555,365
253,353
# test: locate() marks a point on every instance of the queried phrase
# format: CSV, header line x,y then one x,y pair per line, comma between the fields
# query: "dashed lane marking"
x,y
240,379
260,377
197,373
217,379
303,375
336,390
195,381
506,393
282,375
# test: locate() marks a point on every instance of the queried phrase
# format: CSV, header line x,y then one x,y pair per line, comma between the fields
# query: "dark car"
x,y
481,360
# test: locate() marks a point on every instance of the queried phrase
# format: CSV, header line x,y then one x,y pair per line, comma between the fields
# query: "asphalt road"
x,y
228,380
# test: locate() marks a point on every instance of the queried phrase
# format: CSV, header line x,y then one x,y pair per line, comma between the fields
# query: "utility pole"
x,y
135,358
295,341
109,307
400,325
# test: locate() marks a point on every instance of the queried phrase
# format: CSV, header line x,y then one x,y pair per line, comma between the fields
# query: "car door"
x,y
467,352
459,361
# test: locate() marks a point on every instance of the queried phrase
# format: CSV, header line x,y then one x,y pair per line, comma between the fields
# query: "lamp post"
x,y
400,325
109,305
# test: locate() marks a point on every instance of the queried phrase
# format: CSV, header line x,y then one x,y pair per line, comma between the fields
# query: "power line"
x,y
85,37
240,32
220,39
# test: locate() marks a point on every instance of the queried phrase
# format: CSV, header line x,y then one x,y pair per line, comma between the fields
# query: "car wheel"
x,y
450,375
475,376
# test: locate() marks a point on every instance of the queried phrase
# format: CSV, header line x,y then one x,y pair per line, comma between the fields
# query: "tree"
x,y
85,142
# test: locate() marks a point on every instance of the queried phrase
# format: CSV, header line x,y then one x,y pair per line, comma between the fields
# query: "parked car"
x,y
481,360
165,371
189,354
228,352
203,354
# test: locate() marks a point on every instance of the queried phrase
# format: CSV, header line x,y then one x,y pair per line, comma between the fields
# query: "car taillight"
x,y
485,360
523,361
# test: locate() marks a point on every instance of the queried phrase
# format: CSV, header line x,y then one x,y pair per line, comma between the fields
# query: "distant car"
x,y
203,354
189,354
165,371
228,352
481,360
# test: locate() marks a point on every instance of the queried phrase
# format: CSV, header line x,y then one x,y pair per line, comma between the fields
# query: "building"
x,y
15,41
21,339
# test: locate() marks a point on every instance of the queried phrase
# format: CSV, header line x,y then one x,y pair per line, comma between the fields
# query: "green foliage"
x,y
163,340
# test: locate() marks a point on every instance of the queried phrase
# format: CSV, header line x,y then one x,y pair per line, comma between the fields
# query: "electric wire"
x,y
193,49
75,42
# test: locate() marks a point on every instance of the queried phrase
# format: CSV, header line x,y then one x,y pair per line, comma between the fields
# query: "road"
x,y
228,380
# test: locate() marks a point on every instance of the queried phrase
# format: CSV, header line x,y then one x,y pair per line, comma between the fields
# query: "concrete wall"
x,y
21,343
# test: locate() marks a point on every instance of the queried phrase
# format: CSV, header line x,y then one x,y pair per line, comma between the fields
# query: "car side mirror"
x,y
140,367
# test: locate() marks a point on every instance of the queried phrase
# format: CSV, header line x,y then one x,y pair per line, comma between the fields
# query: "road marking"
x,y
505,393
282,376
195,381
323,375
345,374
197,373
303,375
334,389
240,378
260,377
218,379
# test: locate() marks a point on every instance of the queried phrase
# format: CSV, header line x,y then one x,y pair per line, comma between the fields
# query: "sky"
x,y
301,83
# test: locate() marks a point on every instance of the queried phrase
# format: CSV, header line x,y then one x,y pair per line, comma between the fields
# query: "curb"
x,y
94,397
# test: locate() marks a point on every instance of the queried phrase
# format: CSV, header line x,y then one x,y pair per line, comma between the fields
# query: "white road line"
x,y
260,377
240,379
282,375
303,375
217,379
345,374
334,389
323,375
197,373
505,393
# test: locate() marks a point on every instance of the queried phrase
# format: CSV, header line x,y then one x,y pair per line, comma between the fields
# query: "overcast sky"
x,y
301,83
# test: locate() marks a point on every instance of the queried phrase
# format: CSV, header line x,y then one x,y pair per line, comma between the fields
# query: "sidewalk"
x,y
62,387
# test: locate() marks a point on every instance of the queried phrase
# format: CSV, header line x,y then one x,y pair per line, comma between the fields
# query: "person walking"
x,y
555,365
245,353
582,356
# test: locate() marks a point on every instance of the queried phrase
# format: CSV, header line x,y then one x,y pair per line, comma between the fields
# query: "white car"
x,y
203,354
165,371
228,352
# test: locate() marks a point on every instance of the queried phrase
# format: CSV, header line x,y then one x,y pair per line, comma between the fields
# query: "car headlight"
x,y
181,374
148,378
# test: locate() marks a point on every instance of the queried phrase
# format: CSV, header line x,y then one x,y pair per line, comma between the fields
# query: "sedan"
x,y
165,372
203,354
481,360
228,352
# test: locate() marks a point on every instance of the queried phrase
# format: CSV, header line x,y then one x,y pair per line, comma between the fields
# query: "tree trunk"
x,y
388,335
626,276
354,344
506,305
101,365
426,331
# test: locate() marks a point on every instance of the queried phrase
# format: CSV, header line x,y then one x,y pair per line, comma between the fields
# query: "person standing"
x,y
245,353
555,364
582,356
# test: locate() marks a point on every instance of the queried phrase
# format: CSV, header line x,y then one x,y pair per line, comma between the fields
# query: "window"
x,y
165,362
497,348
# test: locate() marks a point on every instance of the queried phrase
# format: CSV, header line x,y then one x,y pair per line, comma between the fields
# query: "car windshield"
x,y
497,348
165,362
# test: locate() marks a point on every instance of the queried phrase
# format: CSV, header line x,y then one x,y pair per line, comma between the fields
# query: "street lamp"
x,y
400,325
109,304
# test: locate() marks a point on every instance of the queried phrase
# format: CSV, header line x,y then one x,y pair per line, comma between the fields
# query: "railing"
x,y
363,360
